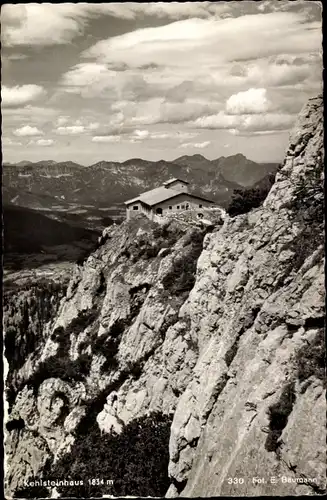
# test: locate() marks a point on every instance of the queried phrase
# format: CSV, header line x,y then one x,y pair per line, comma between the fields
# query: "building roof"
x,y
174,180
160,194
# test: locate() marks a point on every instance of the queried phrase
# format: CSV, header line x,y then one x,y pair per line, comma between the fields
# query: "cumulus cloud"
x,y
20,95
85,75
279,73
199,145
248,123
44,142
70,130
31,24
173,135
106,138
250,101
27,131
75,127
140,134
160,111
93,126
62,120
93,80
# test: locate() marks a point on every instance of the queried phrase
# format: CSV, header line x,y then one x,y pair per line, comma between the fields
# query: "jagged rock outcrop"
x,y
221,334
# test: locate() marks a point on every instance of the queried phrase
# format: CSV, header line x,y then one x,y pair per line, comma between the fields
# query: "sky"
x,y
90,82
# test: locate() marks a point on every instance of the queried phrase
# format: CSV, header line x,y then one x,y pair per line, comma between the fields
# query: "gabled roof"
x,y
174,180
160,194
154,196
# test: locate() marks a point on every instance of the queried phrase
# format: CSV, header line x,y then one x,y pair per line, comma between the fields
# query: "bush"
x,y
107,347
310,359
136,460
145,248
305,243
181,278
307,211
278,416
62,368
244,200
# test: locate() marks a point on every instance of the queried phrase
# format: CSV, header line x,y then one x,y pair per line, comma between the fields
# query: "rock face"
x,y
256,310
219,328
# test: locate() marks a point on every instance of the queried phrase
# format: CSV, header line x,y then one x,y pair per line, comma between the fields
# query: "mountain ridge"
x,y
108,182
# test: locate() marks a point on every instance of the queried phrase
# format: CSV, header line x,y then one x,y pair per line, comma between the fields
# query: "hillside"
x,y
181,356
28,232
242,171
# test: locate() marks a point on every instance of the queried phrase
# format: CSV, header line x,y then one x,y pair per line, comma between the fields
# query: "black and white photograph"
x,y
163,240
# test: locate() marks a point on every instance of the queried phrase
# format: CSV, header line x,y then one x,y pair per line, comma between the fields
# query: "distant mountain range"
x,y
106,183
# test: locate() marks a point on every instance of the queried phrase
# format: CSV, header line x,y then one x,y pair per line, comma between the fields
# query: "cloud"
x,y
29,112
93,80
156,83
16,57
44,142
6,141
93,126
20,95
158,110
70,130
140,134
251,133
250,101
174,10
106,138
276,72
85,75
62,120
200,145
246,123
76,127
144,76
173,135
162,135
30,24
243,38
27,131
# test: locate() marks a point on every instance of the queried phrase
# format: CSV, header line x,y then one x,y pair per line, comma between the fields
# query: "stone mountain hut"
x,y
172,196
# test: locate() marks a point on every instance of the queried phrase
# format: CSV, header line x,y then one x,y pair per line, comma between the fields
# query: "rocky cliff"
x,y
191,355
